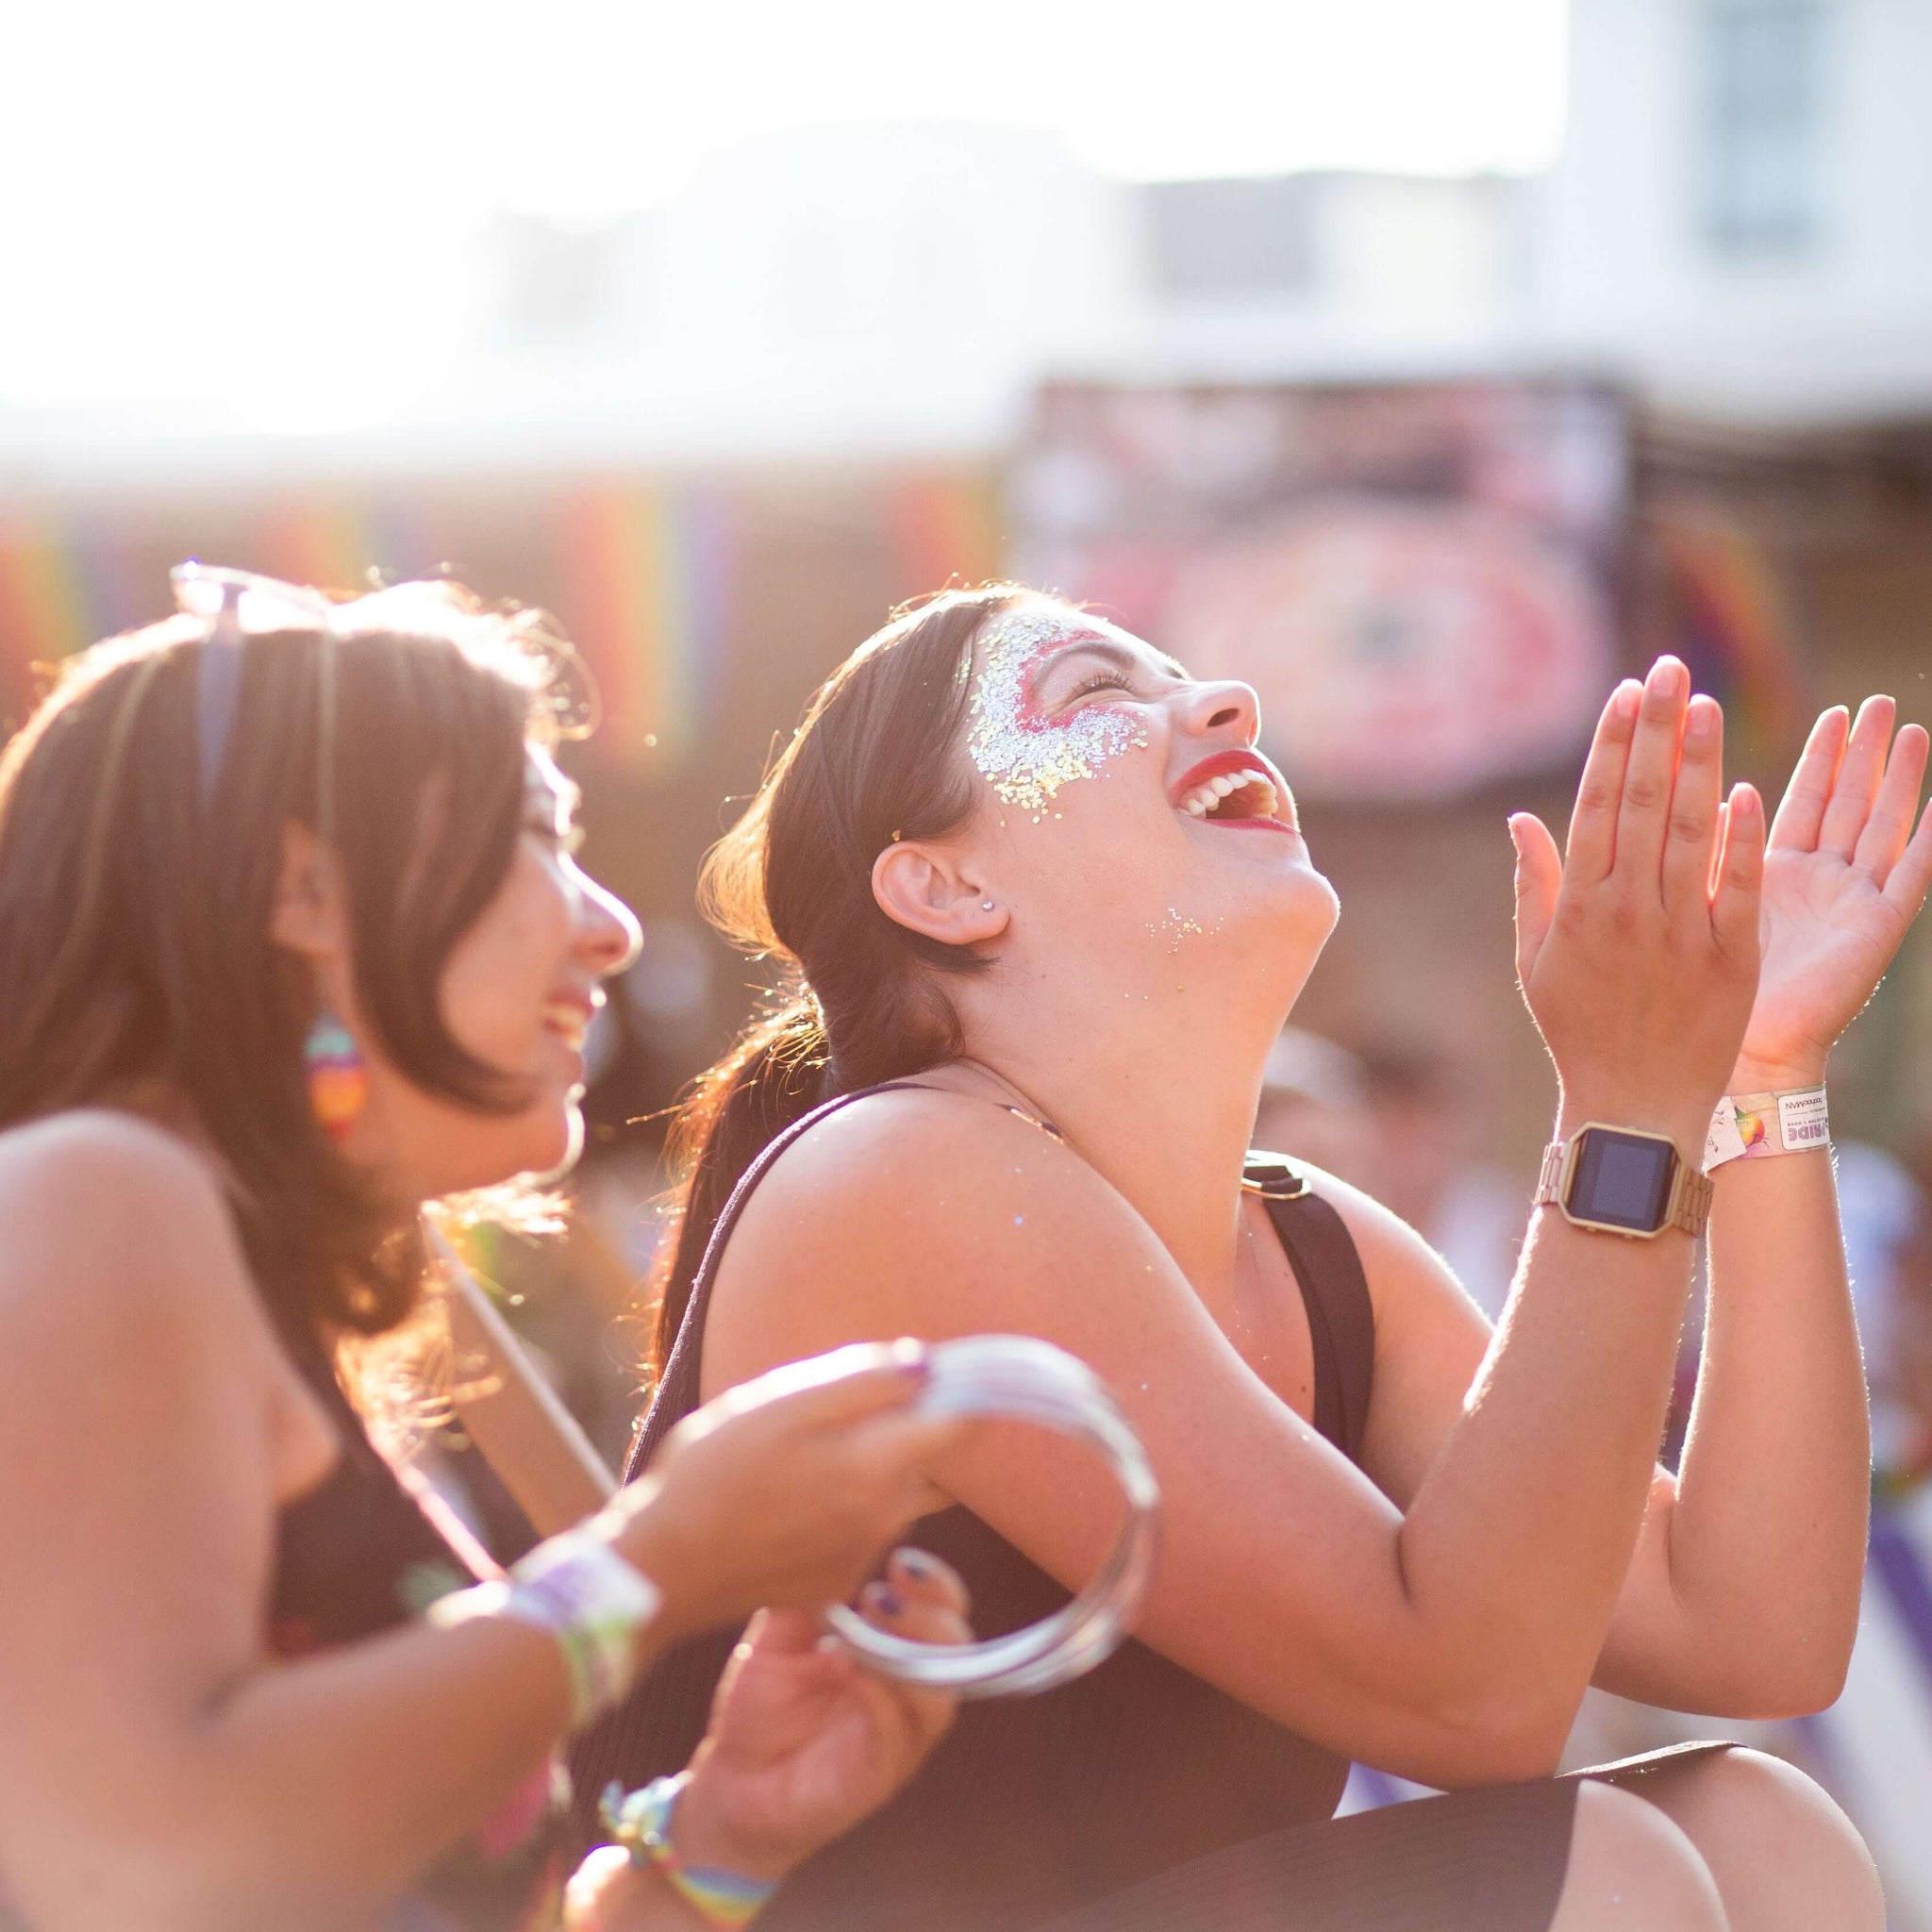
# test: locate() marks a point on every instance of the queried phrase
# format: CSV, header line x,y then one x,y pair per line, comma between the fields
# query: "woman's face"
x,y
1123,810
519,991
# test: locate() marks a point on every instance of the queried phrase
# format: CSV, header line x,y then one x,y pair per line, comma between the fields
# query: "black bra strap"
x,y
1335,1291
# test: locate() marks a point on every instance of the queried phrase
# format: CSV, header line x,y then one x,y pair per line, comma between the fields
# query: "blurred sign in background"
x,y
1428,366
1420,582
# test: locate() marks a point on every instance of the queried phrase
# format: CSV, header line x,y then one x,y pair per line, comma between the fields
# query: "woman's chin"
x,y
555,1149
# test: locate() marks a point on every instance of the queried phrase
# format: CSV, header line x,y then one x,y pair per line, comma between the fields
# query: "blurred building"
x,y
1734,227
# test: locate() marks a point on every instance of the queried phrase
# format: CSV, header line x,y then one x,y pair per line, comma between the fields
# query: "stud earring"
x,y
338,1075
986,904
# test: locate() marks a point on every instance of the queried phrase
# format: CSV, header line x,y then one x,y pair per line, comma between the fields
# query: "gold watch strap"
x,y
1689,1198
1549,1180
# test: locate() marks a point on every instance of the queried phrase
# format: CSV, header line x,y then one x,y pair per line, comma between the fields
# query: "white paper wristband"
x,y
578,1590
1754,1127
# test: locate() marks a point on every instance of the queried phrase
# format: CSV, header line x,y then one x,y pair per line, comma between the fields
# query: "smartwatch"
x,y
1617,1180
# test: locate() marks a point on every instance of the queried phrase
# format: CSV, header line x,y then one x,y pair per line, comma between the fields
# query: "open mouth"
x,y
1233,789
1249,798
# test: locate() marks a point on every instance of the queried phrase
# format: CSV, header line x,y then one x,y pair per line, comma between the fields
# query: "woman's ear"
x,y
921,888
307,916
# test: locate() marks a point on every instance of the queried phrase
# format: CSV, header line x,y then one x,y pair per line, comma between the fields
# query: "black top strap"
x,y
1335,1291
676,1394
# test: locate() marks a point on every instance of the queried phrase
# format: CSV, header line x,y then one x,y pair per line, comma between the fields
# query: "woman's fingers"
x,y
1893,810
1717,848
1858,778
1911,877
842,1386
1735,905
1650,775
921,1577
890,1605
1591,847
1538,879
924,1600
1695,800
1802,811
903,1448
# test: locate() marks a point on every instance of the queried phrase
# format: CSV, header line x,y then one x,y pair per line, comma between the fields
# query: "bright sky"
x,y
167,172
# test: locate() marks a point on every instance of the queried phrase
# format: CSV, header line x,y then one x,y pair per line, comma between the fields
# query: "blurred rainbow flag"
x,y
944,525
648,569
1734,626
45,614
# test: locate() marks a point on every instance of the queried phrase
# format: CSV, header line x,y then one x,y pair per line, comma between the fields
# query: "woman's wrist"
x,y
639,1527
1682,1121
709,1833
1783,1075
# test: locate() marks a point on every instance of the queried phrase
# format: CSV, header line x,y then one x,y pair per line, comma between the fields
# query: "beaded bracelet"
x,y
641,1823
578,1590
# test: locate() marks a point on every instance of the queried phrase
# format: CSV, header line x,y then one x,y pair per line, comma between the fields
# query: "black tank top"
x,y
368,1550
1031,1805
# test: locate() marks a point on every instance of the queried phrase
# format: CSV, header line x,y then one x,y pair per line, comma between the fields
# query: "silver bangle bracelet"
x,y
1019,1377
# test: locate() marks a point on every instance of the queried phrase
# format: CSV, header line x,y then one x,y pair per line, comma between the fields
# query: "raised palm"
x,y
1844,876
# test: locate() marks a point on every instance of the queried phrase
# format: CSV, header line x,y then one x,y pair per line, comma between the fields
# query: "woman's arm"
x,y
1743,1594
1451,1641
1763,1541
156,1769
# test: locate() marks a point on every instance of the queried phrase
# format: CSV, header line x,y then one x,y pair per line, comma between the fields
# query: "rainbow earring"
x,y
338,1075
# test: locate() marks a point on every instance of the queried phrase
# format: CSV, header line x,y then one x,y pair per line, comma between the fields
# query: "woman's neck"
x,y
1159,1099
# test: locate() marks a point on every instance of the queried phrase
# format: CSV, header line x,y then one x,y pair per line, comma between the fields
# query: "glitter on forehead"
x,y
1025,757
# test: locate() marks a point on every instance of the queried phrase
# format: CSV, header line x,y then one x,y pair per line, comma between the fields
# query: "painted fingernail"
x,y
889,1603
915,1564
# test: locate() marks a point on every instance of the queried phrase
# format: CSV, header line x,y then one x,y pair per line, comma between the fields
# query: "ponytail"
x,y
875,761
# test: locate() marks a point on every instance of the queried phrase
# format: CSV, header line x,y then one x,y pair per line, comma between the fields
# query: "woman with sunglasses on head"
x,y
293,943
1049,908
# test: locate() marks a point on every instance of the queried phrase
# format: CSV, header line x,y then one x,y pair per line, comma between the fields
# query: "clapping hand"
x,y
1844,879
1638,945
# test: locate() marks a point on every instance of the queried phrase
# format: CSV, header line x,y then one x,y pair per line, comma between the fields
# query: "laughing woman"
x,y
293,943
1049,908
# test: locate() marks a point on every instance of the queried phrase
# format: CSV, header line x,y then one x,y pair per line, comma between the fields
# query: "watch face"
x,y
1622,1181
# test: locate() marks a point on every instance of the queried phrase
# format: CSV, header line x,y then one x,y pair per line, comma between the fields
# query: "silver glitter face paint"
x,y
1025,756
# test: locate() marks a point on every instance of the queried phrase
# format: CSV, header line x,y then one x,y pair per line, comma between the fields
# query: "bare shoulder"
x,y
926,1213
109,1219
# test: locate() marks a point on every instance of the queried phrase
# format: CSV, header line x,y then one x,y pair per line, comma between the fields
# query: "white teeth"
x,y
1211,792
566,1020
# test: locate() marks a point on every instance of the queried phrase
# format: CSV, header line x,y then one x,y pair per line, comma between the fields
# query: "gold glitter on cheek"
x,y
1024,757
1175,928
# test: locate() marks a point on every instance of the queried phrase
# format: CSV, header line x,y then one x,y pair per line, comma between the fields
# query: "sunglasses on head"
x,y
236,605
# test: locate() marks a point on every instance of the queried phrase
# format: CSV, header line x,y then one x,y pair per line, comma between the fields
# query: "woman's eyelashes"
x,y
1097,681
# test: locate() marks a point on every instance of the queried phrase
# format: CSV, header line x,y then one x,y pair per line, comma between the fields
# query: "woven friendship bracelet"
x,y
578,1590
1753,1126
641,1823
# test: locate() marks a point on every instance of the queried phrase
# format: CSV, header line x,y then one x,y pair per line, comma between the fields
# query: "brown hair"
x,y
134,916
873,762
